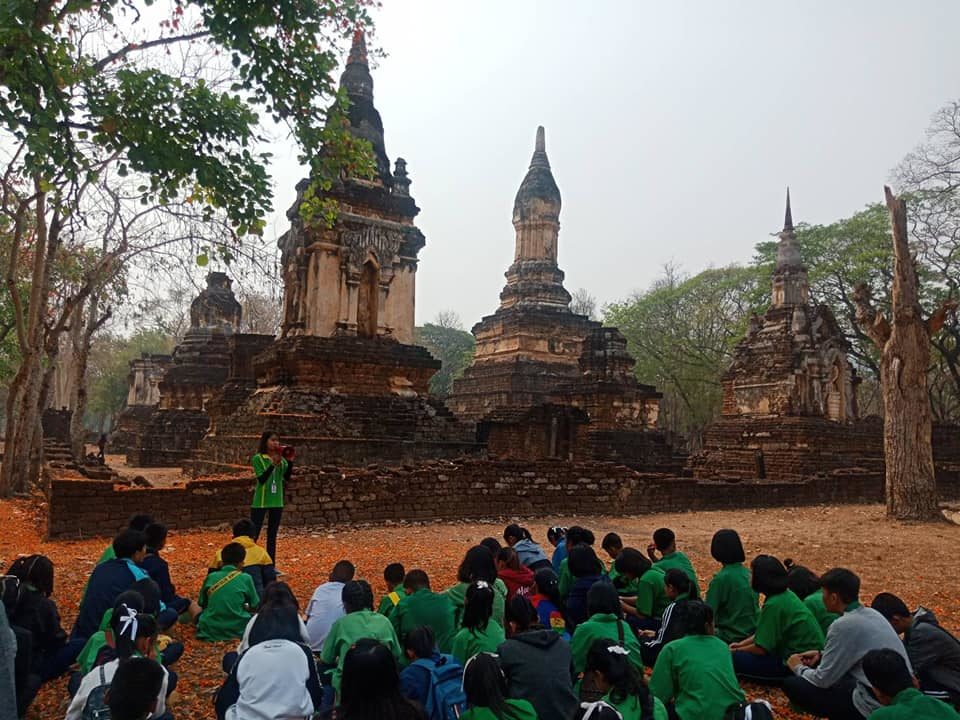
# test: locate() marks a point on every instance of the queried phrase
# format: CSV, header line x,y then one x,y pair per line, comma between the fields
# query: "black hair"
x,y
631,562
420,642
726,547
233,554
393,574
484,684
582,561
155,535
611,541
556,533
508,556
491,544
679,580
602,598
278,594
663,538
695,616
128,626
548,585
343,571
613,662
134,689
264,437
357,595
577,535
887,671
889,605
598,710
843,582
803,581
370,685
416,580
478,606
244,528
516,532
769,576
128,543
521,613
139,521
150,592
276,623
37,570
477,564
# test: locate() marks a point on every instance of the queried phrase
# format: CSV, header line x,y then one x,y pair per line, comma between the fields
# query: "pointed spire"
x,y
788,216
539,158
358,50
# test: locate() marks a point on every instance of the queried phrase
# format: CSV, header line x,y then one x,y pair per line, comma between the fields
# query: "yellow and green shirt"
x,y
269,493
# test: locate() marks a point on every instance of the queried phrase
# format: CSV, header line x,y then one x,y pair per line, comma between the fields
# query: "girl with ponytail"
x,y
612,671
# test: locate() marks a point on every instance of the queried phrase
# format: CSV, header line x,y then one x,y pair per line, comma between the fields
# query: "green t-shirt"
x,y
468,643
825,618
678,560
911,704
352,627
652,597
630,709
515,710
786,626
268,494
603,626
390,601
227,610
734,603
696,673
423,607
458,596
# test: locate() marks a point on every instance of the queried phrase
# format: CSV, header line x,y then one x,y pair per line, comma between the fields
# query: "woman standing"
x,y
272,466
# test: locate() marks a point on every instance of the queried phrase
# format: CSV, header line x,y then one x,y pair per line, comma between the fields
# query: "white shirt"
x,y
272,676
245,641
92,680
325,608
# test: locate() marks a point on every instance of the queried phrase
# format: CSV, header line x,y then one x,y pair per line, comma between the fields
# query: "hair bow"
x,y
482,584
129,620
590,708
618,650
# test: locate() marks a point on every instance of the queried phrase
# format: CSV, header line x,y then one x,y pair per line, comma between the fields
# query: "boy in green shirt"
x,y
665,542
228,598
359,622
420,606
612,545
637,575
393,575
895,689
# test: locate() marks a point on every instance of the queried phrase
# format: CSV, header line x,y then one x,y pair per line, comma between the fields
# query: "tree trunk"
x,y
81,357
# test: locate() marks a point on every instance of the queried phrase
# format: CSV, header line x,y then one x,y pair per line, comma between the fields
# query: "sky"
x,y
673,128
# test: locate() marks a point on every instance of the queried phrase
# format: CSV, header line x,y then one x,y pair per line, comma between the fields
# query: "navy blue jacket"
x,y
159,571
108,580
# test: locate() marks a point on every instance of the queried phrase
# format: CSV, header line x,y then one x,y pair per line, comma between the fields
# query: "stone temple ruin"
x,y
143,398
546,382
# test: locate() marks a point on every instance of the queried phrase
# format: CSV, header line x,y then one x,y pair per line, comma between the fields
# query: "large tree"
x,y
904,344
449,343
84,93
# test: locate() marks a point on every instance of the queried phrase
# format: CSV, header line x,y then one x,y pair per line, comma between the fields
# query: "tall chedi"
x,y
545,381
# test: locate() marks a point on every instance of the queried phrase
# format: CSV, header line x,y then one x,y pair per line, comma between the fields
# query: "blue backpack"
x,y
445,698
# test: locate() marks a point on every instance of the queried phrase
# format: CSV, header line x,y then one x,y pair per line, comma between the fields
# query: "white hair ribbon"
x,y
595,707
129,620
482,584
618,650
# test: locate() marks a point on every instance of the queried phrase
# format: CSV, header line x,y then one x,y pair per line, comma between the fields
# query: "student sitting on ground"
x,y
785,626
159,571
137,522
276,677
480,633
134,689
420,606
257,563
392,575
612,545
695,673
576,535
806,585
531,555
228,598
536,663
370,686
360,621
326,605
611,672
678,587
832,683
518,578
606,621
895,690
478,564
491,544
665,543
546,601
487,693
135,636
420,652
933,652
556,536
734,602
278,595
642,592
586,570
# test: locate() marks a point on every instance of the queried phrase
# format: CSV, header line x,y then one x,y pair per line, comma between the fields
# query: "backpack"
x,y
445,697
96,708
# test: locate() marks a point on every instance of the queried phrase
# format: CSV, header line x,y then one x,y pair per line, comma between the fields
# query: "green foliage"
x,y
452,346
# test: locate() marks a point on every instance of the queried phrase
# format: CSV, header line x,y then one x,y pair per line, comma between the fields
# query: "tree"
x,y
904,343
453,346
584,303
84,96
261,313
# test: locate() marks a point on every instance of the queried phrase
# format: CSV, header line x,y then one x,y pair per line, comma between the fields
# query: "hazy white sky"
x,y
672,127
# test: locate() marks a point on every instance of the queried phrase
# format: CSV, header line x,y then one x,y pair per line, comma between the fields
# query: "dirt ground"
x,y
918,562
156,476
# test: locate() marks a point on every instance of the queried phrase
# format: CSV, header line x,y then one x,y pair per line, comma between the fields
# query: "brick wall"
x,y
448,491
